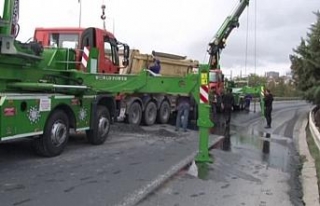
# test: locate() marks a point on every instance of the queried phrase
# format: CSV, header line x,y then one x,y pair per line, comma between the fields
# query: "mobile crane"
x,y
44,93
218,44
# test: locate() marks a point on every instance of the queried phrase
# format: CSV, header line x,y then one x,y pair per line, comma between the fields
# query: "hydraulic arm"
x,y
218,43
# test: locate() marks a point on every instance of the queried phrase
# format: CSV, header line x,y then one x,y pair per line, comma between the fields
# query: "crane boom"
x,y
218,43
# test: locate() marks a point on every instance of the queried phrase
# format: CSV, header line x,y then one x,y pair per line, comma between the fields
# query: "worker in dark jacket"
x,y
268,99
214,103
183,107
156,67
247,99
227,104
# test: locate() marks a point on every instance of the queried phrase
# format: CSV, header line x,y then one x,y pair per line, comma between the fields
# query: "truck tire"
x,y
55,135
102,123
150,113
164,113
134,114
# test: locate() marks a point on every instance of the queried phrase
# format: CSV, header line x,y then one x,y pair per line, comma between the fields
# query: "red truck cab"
x,y
216,81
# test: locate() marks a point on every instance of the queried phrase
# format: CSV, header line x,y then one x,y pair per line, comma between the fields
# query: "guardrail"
x,y
287,98
313,129
282,98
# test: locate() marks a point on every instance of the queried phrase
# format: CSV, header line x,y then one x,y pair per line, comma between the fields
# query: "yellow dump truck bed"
x,y
171,65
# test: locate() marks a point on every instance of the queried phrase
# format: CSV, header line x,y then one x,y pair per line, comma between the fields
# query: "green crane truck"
x,y
218,44
241,91
46,92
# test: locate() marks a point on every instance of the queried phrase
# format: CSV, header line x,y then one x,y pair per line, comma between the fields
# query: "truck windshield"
x,y
68,41
213,77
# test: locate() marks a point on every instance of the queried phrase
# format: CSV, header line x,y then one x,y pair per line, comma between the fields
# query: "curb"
x,y
138,195
308,172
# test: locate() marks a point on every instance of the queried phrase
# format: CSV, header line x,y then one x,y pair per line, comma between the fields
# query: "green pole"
x,y
204,123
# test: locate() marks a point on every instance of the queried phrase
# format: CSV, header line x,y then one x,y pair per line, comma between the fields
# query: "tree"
x,y
253,80
305,63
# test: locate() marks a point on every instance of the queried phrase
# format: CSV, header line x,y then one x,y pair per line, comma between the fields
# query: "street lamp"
x,y
80,11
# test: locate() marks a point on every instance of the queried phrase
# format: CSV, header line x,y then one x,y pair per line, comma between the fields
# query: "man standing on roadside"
x,y
227,104
213,102
268,99
183,107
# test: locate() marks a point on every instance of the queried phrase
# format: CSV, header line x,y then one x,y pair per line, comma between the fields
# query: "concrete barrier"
x,y
308,172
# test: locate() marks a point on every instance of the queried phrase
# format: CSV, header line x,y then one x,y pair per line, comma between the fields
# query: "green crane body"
x,y
43,96
218,43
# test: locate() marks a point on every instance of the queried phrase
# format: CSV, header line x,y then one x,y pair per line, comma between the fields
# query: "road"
x,y
254,167
131,162
136,159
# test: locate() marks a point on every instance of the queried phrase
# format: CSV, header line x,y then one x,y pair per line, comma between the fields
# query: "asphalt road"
x,y
254,167
110,174
134,158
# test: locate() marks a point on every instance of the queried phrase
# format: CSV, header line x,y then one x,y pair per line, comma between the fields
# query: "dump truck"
x,y
137,107
46,92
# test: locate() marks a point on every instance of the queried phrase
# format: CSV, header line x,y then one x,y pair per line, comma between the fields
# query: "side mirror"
x,y
222,78
126,53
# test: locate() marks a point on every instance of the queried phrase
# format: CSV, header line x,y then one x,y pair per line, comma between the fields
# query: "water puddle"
x,y
274,150
267,148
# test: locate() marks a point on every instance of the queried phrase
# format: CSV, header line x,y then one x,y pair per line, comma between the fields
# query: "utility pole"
x,y
80,11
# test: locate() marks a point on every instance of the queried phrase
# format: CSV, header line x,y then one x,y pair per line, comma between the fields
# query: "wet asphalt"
x,y
253,166
110,174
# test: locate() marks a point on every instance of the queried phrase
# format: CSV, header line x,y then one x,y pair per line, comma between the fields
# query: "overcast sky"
x,y
186,27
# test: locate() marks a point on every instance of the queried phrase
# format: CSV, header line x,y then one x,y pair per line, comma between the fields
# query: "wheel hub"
x,y
58,133
103,126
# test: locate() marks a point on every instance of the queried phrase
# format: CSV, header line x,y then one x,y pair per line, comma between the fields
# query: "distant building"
x,y
288,78
289,74
272,75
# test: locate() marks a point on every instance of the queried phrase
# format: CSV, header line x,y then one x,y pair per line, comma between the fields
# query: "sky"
x,y
269,29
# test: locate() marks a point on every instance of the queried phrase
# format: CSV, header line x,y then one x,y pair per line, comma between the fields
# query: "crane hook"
x,y
103,15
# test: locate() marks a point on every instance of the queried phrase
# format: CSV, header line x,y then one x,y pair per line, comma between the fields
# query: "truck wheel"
x,y
55,135
135,114
150,113
102,123
164,113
